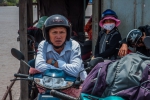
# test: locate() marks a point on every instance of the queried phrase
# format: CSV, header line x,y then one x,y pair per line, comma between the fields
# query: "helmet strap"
x,y
58,47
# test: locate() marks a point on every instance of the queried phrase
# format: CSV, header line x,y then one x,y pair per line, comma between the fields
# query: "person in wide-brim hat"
x,y
109,37
117,21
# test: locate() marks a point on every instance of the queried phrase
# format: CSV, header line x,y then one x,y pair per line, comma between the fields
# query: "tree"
x,y
12,1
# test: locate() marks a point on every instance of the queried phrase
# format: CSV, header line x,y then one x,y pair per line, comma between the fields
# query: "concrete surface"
x,y
9,25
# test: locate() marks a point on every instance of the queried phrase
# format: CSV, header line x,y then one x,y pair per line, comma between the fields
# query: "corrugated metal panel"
x,y
146,12
132,13
125,12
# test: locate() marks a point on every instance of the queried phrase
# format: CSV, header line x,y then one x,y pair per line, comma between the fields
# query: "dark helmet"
x,y
56,21
146,29
133,37
109,12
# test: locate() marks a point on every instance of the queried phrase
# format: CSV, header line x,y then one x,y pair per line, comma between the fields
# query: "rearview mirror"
x,y
17,54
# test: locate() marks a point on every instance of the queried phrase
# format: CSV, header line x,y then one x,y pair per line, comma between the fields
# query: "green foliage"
x,y
34,0
11,1
17,1
8,2
11,4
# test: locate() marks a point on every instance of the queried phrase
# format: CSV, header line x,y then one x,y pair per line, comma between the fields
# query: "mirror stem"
x,y
25,63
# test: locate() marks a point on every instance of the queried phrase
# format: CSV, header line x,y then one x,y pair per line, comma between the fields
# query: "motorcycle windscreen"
x,y
53,83
17,54
57,73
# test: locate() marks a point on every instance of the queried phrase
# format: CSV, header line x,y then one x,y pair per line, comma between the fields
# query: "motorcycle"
x,y
53,80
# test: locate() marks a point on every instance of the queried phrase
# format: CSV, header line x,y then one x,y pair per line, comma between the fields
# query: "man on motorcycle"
x,y
135,39
58,51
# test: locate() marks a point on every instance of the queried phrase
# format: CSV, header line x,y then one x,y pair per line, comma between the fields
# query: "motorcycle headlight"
x,y
53,83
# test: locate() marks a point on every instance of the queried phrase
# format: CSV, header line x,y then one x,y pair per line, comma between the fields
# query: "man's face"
x,y
140,42
58,35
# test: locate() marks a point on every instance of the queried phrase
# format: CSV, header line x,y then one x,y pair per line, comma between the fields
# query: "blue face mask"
x,y
109,26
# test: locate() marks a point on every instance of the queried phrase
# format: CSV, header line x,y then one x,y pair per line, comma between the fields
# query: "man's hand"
x,y
144,35
92,57
33,71
123,50
49,61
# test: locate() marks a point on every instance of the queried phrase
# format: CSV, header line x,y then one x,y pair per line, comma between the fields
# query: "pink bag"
x,y
73,92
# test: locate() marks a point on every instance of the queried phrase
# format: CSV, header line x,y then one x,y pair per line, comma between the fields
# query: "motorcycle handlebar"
x,y
21,75
62,95
27,79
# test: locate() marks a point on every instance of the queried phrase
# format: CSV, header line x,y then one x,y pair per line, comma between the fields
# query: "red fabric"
x,y
70,91
73,92
86,56
34,71
32,28
129,51
74,33
88,29
41,89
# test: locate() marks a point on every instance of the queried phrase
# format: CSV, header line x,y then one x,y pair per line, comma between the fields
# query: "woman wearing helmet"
x,y
135,40
109,37
58,50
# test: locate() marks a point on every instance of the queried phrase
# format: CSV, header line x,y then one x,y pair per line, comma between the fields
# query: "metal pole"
x,y
23,46
84,6
30,23
29,13
95,20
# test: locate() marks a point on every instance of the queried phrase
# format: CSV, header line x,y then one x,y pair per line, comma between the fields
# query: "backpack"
x,y
95,83
127,77
131,78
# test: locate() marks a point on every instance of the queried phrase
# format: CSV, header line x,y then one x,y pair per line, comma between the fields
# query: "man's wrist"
x,y
53,62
